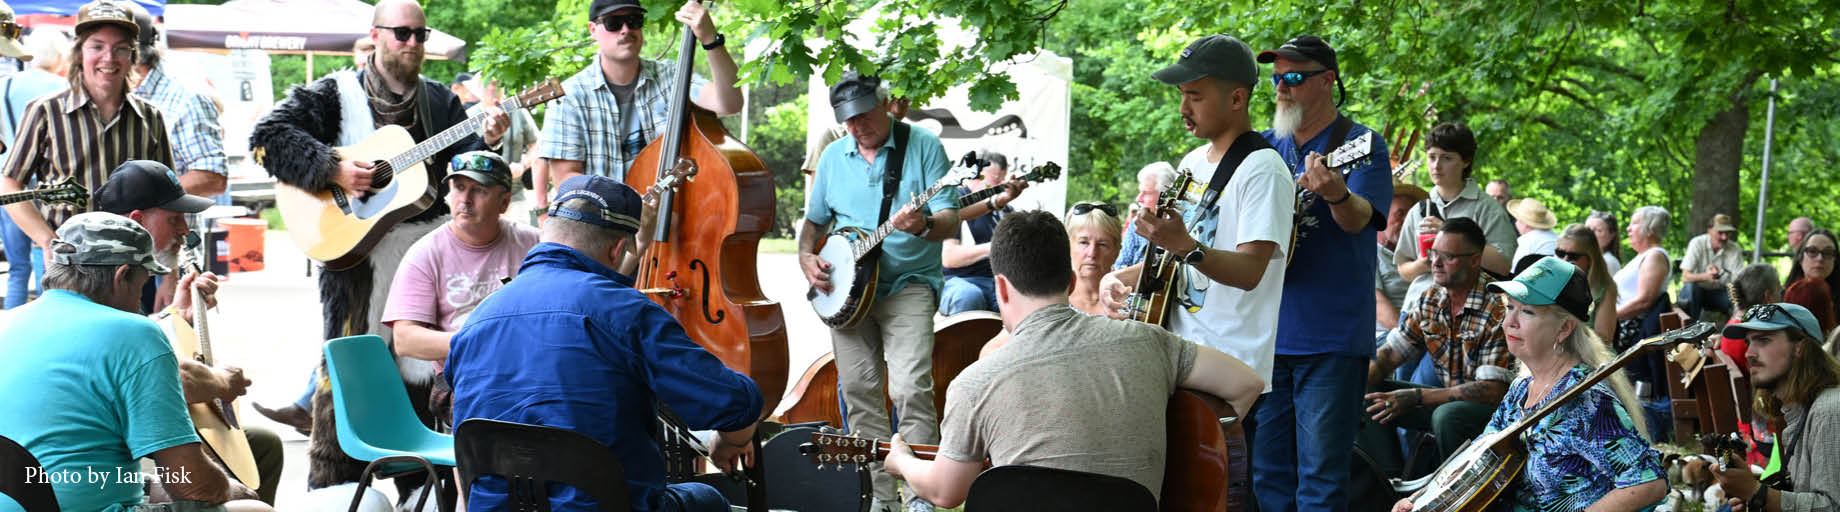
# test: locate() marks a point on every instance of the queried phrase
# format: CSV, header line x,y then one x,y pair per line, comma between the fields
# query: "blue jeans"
x,y
1695,300
962,294
692,497
1307,426
22,264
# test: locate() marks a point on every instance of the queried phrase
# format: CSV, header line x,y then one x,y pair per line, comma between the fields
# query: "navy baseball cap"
x,y
1775,317
145,184
611,204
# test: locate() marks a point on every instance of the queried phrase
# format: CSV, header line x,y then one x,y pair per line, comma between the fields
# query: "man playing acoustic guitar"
x,y
1069,391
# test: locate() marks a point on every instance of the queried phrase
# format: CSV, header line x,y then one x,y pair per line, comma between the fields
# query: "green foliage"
x,y
779,140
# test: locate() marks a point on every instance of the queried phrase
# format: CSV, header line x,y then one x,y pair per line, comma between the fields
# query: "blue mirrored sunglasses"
x,y
1294,78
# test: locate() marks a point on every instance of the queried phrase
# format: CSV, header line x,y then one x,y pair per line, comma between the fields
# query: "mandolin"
x,y
1484,469
1044,172
1162,271
1204,471
66,190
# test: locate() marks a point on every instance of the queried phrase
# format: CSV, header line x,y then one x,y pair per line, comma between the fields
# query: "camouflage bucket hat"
x,y
102,238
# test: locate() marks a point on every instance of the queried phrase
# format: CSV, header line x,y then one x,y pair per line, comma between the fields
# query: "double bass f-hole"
x,y
720,315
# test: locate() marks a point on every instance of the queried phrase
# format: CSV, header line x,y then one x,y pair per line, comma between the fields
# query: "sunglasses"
x,y
1765,312
1082,207
1827,254
11,30
631,21
479,163
404,33
1294,78
1568,256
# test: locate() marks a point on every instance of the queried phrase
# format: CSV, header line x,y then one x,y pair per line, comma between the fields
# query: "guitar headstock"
x,y
544,92
1354,150
66,190
1695,334
1043,172
839,449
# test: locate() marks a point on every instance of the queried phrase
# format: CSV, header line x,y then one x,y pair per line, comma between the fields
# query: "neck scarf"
x,y
386,106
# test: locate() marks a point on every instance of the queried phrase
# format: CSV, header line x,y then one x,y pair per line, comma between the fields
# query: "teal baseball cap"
x,y
1775,317
1550,281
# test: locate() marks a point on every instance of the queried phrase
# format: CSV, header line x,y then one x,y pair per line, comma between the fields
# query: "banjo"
x,y
854,262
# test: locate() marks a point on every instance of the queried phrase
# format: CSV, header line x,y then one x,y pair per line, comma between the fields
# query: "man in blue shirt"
x,y
898,327
1307,424
94,386
570,344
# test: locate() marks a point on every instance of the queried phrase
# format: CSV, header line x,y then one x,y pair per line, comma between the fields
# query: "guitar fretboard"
x,y
427,148
868,243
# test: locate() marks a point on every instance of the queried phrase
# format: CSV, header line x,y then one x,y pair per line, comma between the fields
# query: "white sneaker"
x,y
920,505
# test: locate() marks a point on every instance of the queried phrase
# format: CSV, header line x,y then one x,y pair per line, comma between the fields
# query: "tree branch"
x,y
1575,99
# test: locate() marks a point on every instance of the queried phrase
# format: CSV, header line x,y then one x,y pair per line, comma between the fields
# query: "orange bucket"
x,y
245,238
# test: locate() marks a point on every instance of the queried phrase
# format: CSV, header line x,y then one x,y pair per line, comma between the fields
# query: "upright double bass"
x,y
700,264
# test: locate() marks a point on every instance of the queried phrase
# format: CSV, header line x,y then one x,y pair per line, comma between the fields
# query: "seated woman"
x,y
1812,282
1593,452
1578,246
1094,232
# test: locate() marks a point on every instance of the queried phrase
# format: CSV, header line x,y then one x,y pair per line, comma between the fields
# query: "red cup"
x,y
1424,244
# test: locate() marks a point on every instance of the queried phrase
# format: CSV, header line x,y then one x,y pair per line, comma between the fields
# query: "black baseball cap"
x,y
1219,56
1302,48
854,95
145,184
602,7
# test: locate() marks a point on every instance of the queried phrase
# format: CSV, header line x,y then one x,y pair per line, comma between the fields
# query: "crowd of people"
x,y
1484,310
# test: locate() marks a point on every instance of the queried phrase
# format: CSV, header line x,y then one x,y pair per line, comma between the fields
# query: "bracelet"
x,y
991,203
927,229
1344,199
721,39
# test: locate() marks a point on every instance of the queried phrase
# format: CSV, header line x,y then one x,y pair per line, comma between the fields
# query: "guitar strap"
x,y
891,175
1242,147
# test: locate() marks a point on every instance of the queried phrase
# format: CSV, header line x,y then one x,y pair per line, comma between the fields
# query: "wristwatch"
x,y
1196,255
928,229
721,39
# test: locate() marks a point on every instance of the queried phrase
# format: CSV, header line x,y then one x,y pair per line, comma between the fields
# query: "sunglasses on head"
x,y
1568,256
404,33
1765,312
1082,207
479,163
613,23
11,30
1294,78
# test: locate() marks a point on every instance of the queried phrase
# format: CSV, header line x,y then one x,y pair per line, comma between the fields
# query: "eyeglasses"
x,y
1438,255
631,21
11,30
1826,254
1568,256
404,33
1294,78
1082,207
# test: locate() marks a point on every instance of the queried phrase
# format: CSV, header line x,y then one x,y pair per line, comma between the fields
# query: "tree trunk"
x,y
1719,151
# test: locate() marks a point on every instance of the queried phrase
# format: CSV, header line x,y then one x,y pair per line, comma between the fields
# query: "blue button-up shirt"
x,y
570,344
191,121
848,190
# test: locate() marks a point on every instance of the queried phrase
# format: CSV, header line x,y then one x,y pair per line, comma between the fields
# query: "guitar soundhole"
x,y
381,174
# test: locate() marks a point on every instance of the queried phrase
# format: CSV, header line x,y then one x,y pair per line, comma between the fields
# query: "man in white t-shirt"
x,y
451,269
1234,249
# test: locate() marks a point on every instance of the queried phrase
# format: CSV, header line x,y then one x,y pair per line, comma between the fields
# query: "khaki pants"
x,y
894,340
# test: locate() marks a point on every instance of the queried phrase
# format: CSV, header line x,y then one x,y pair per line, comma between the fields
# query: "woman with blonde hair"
x,y
1578,246
1593,451
1093,234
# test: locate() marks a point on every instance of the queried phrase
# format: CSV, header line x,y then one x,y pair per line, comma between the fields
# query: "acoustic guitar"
x,y
855,263
339,230
1204,471
216,421
1484,470
66,190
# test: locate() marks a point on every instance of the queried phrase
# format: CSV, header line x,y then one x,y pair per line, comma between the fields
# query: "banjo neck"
x,y
862,246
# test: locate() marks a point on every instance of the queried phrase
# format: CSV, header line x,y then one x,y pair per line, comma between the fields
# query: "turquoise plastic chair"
x,y
376,424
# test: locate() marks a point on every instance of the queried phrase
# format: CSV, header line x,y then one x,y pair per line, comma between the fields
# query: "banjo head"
x,y
837,253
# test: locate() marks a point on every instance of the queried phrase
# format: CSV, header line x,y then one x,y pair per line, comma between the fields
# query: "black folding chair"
x,y
1008,488
35,495
530,457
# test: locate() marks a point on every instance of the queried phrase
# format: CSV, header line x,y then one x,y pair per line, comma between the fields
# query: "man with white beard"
x,y
1307,423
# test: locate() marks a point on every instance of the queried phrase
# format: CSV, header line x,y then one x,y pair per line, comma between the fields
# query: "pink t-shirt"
x,y
442,278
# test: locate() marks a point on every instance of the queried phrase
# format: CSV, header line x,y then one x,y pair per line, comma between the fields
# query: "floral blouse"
x,y
1579,453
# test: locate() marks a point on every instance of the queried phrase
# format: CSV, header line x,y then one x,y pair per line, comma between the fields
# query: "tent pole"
x,y
309,67
1763,189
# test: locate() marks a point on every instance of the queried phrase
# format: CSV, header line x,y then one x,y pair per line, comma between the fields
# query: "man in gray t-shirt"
x,y
1068,391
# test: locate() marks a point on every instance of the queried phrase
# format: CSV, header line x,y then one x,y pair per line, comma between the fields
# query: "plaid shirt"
x,y
191,120
585,124
64,135
1473,342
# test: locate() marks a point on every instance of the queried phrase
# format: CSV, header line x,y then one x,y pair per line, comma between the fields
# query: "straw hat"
x,y
1532,212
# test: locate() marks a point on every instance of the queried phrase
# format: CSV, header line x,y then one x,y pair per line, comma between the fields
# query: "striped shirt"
x,y
64,135
585,124
191,119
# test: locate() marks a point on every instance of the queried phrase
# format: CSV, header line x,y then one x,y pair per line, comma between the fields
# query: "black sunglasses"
x,y
1568,256
404,33
1082,207
1765,312
613,23
1294,78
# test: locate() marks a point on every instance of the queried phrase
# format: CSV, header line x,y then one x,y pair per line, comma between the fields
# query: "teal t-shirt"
x,y
848,190
90,390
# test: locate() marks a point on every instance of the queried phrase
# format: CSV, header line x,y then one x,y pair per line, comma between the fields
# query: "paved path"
x,y
269,323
